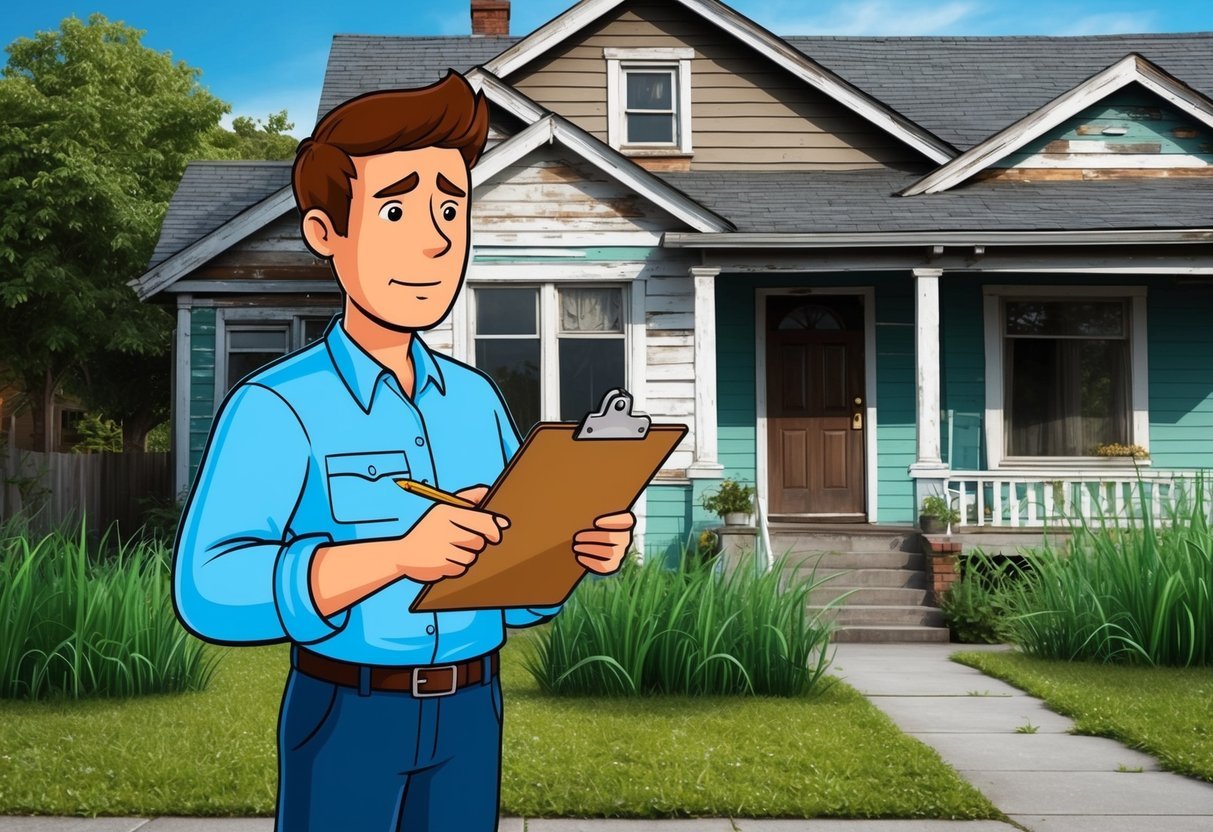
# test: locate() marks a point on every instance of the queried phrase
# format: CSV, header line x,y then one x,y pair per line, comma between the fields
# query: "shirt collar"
x,y
361,372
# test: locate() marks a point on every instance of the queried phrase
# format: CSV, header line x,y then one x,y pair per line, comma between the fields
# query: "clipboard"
x,y
563,476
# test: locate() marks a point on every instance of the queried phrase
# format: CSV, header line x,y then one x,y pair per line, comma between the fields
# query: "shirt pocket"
x,y
362,488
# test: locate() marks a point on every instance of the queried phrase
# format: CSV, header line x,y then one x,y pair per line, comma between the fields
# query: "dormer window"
x,y
649,100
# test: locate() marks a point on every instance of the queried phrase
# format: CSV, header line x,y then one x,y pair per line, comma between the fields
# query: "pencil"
x,y
441,496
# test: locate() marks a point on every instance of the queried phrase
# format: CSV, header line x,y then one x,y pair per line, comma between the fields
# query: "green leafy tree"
x,y
250,139
95,131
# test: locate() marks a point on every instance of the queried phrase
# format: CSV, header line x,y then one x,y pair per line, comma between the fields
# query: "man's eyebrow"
x,y
448,187
401,187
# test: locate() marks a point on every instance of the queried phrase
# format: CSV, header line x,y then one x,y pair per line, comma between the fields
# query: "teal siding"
x,y
202,382
735,342
1181,377
962,380
668,521
1152,123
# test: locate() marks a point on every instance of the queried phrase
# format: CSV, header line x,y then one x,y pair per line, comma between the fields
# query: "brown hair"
x,y
444,114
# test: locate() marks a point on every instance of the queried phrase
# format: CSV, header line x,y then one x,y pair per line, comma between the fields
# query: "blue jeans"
x,y
362,760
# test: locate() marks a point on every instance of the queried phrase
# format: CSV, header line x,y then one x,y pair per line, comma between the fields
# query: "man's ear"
x,y
318,233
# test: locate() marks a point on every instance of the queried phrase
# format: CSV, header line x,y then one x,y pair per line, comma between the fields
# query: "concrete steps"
x,y
884,573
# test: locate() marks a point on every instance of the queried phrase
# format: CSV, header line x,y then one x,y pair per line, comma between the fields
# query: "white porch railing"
x,y
1033,499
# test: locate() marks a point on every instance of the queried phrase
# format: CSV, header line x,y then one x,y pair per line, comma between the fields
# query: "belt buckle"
x,y
418,678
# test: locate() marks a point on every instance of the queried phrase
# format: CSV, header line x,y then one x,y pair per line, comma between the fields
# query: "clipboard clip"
x,y
614,419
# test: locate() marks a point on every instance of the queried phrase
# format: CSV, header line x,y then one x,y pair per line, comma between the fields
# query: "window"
x,y
249,338
553,350
250,348
1071,365
649,100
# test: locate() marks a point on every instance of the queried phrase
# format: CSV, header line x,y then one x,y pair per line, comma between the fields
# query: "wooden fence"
x,y
53,489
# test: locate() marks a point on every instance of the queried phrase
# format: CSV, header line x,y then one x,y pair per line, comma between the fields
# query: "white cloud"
x,y
872,17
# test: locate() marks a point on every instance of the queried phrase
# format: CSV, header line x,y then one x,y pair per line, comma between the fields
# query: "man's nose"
x,y
439,243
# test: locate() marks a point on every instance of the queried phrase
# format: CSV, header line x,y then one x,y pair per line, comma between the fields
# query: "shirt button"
x,y
429,629
420,442
370,469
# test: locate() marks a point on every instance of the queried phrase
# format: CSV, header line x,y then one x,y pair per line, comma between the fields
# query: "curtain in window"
x,y
591,310
1066,396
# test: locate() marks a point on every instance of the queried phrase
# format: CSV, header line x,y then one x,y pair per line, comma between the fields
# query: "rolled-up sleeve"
x,y
239,575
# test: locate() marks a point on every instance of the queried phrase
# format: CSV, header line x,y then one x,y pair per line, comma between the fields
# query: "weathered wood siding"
x,y
1156,133
736,95
546,191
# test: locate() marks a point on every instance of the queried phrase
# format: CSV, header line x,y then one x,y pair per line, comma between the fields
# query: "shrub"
x,y
76,625
731,497
1139,594
692,630
974,607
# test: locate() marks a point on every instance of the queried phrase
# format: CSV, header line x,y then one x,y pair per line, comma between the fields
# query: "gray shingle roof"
x,y
362,63
210,194
964,89
863,200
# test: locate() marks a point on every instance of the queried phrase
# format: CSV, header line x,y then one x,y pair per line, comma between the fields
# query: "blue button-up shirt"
x,y
303,453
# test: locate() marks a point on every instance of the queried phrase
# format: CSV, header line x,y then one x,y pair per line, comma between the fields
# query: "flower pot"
x,y
737,518
931,525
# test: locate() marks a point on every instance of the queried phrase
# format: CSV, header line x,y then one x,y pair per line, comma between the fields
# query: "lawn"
x,y
1160,710
213,753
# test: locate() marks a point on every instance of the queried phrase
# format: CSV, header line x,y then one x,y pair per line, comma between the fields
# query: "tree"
x,y
249,139
95,131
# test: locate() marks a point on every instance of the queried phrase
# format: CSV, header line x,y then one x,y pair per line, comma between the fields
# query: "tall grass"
x,y
1141,594
76,624
691,630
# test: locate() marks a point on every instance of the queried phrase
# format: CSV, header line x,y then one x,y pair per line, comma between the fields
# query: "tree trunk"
x,y
135,429
41,392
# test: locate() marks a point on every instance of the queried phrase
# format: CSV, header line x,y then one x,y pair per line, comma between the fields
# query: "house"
x,y
862,270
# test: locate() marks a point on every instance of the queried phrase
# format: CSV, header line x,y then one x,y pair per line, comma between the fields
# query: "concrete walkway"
x,y
1047,780
1044,781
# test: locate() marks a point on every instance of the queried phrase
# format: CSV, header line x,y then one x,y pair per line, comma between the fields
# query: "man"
x,y
295,528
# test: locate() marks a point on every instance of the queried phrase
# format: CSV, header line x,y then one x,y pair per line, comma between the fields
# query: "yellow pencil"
x,y
441,496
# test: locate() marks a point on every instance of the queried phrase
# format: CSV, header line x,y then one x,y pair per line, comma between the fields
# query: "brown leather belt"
x,y
419,680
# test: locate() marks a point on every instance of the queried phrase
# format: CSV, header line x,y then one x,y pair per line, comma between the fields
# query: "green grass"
x,y
213,753
82,620
1162,711
1137,595
690,630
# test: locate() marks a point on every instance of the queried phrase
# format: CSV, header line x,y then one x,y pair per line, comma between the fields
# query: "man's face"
x,y
403,258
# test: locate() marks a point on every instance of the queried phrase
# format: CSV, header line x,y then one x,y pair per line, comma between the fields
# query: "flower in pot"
x,y
937,515
732,501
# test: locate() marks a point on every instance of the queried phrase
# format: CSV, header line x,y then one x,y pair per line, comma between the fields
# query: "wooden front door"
x,y
815,405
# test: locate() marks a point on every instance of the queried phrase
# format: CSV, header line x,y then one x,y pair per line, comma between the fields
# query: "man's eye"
x,y
449,212
392,212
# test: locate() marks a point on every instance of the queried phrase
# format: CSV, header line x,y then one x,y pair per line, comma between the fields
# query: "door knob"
x,y
858,400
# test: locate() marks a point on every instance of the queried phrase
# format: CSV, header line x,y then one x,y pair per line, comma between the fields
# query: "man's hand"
x,y
448,539
602,548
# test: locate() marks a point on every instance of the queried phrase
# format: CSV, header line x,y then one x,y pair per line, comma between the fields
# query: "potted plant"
x,y
937,515
733,502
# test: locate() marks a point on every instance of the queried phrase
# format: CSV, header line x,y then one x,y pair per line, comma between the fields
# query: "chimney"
x,y
490,18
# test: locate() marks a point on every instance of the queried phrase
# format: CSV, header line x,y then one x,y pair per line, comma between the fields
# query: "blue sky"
x,y
260,60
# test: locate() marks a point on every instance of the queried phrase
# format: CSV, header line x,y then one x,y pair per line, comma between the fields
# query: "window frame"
x,y
675,61
994,303
550,332
292,319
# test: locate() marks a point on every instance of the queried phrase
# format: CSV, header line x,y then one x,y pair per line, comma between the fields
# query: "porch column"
x,y
706,463
180,385
928,469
